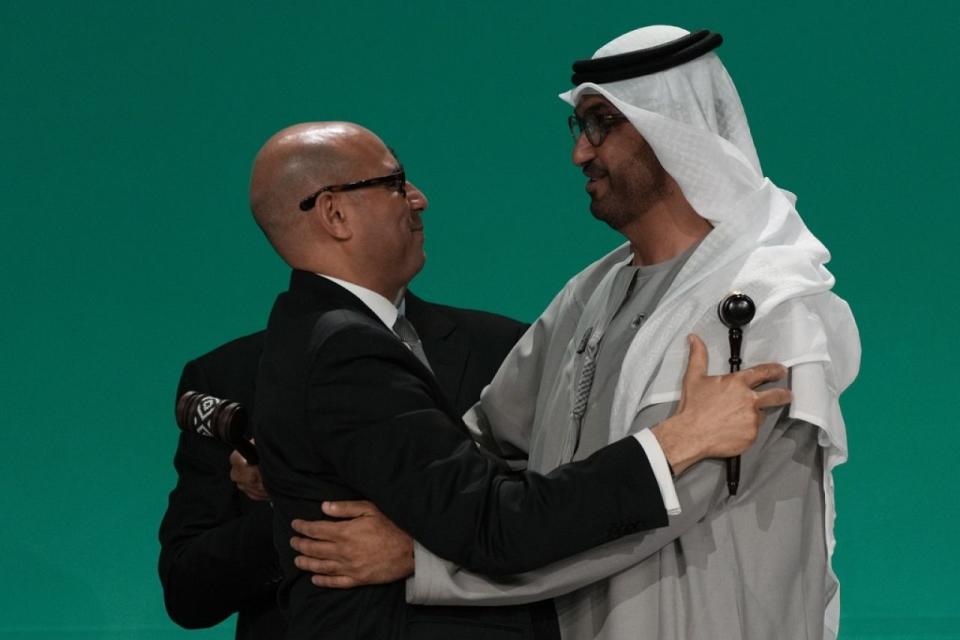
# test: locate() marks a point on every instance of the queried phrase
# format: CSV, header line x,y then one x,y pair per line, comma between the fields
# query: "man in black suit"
x,y
216,545
348,408
217,556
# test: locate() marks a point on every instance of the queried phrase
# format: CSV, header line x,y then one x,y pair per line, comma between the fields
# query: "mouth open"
x,y
592,182
594,174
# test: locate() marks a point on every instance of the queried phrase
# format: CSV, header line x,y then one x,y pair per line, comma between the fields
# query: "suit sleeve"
x,y
214,555
374,418
701,490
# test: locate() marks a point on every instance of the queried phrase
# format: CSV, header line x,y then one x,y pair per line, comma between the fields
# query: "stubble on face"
x,y
636,183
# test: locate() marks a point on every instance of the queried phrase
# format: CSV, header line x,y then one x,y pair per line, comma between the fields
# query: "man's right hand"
x,y
363,547
718,416
247,477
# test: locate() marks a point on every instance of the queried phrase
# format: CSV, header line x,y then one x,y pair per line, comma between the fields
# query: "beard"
x,y
634,189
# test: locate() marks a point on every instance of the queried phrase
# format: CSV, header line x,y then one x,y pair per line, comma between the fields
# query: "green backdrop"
x,y
128,131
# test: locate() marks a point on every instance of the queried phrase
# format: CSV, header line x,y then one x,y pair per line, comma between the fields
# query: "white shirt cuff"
x,y
661,470
418,585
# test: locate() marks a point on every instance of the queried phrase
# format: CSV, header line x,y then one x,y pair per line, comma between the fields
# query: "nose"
x,y
418,201
583,151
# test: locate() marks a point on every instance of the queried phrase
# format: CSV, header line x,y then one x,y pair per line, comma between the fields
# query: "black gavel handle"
x,y
733,474
249,451
733,464
735,311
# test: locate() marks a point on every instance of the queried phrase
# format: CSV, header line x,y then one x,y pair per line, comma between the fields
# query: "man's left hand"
x,y
365,548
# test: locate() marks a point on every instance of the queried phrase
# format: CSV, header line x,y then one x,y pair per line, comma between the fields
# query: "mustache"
x,y
593,170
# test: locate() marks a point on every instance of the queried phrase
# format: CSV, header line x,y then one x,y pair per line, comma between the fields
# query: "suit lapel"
x,y
447,348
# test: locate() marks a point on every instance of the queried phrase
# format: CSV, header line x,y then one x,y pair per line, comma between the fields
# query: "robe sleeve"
x,y
702,490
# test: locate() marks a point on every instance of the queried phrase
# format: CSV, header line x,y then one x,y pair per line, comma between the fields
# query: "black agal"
x,y
646,61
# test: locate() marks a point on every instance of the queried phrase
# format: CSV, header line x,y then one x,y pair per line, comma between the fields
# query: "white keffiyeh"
x,y
692,117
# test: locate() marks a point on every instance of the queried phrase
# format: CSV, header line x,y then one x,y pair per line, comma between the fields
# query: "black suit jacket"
x,y
345,411
216,555
216,545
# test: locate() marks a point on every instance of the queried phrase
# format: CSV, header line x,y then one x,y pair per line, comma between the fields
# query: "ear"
x,y
327,213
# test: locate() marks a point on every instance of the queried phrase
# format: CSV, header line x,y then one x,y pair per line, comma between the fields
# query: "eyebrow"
x,y
601,109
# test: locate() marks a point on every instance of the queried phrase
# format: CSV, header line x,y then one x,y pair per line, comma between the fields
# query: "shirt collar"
x,y
385,310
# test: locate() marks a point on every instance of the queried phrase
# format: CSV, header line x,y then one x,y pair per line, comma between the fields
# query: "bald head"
x,y
370,235
291,165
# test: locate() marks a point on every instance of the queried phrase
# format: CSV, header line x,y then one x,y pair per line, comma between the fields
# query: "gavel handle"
x,y
733,474
248,451
733,464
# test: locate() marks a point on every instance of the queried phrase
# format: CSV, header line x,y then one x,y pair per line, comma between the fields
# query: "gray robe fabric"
x,y
749,566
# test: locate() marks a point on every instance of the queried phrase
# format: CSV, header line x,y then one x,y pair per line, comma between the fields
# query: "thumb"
x,y
349,508
697,365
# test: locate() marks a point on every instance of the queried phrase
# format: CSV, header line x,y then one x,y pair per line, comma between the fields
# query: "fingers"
x,y
697,364
324,530
247,477
350,508
334,582
763,373
241,470
237,460
773,398
327,572
319,549
323,566
315,565
256,492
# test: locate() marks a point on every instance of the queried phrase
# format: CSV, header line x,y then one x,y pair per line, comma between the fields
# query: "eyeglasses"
x,y
396,180
595,125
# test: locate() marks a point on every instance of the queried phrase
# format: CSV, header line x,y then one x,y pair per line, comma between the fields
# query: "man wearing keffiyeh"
x,y
661,135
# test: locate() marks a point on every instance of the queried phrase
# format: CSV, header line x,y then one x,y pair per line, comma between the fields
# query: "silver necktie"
x,y
403,328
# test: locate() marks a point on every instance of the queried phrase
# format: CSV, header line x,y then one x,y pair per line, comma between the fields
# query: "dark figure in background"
x,y
217,556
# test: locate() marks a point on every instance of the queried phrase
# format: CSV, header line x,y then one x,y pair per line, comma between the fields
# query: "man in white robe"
x,y
663,139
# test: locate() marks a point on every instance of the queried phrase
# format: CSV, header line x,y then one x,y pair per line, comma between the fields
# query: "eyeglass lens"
x,y
595,125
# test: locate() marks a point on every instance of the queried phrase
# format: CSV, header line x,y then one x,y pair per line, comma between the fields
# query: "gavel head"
x,y
212,417
736,310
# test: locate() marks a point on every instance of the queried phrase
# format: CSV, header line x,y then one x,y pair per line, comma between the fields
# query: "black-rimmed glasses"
x,y
595,125
396,180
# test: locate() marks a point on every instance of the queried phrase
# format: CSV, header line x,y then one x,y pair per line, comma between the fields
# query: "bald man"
x,y
348,408
216,540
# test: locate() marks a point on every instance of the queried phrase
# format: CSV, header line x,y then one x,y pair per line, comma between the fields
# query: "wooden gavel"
x,y
214,417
